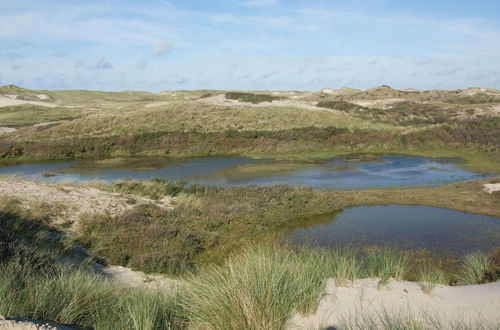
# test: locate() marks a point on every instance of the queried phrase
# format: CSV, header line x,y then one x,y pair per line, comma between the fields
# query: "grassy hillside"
x,y
183,123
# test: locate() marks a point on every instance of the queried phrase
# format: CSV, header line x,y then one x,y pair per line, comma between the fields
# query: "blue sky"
x,y
249,44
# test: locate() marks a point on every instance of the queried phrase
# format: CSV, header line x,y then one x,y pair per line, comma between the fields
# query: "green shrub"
x,y
250,97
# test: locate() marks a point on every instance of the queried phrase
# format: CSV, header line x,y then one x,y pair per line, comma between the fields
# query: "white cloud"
x,y
162,48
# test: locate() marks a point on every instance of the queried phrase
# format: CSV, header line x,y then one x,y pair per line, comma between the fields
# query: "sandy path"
x,y
69,203
7,101
460,303
132,278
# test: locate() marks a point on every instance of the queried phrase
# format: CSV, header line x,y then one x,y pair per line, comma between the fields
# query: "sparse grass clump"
x,y
429,277
474,268
343,265
405,319
385,264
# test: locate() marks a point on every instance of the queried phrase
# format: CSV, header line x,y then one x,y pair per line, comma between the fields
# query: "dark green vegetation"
x,y
250,97
402,113
208,223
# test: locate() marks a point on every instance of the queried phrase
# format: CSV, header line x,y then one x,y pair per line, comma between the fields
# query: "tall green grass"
x,y
258,289
429,277
473,268
385,264
76,297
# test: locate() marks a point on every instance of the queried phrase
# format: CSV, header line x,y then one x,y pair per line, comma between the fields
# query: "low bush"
x,y
250,97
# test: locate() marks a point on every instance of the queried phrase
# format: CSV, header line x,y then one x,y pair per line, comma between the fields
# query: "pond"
x,y
338,173
437,230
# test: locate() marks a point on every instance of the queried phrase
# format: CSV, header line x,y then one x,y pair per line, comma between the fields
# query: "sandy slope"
x,y
68,203
221,100
462,303
8,101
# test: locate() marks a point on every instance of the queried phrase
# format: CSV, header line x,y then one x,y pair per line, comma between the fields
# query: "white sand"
x,y
8,101
221,100
460,303
132,278
4,130
491,187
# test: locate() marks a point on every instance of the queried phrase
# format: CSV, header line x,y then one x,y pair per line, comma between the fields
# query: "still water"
x,y
339,173
408,227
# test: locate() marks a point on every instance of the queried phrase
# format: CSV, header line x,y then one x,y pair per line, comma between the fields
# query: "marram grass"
x,y
473,268
258,289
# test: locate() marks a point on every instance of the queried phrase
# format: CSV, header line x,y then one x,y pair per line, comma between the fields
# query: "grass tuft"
x,y
385,264
473,268
258,289
429,277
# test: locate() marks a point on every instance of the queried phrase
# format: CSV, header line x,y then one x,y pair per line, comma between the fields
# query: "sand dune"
x,y
8,101
363,298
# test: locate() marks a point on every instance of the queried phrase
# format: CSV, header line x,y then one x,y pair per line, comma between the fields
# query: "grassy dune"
x,y
27,115
188,123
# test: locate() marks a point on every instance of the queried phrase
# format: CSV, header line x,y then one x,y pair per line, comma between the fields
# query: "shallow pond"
x,y
440,231
339,173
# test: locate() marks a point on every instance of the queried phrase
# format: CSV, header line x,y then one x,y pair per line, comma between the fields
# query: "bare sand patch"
x,y
222,101
383,104
491,187
5,130
132,278
362,297
8,101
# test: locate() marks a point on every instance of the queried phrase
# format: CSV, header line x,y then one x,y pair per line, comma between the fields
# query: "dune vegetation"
x,y
199,123
224,244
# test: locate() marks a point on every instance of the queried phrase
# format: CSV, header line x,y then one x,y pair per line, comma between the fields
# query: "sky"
x,y
157,45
